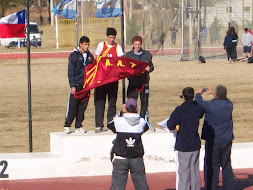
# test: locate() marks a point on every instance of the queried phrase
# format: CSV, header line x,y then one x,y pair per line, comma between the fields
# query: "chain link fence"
x,y
167,30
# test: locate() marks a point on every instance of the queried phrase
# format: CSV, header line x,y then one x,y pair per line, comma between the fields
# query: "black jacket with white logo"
x,y
129,128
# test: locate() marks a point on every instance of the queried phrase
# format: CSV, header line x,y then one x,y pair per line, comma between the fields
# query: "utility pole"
x,y
143,23
131,9
243,14
52,14
29,76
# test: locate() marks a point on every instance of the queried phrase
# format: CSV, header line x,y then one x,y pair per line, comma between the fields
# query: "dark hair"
x,y
131,109
221,92
245,29
84,39
188,93
232,30
111,31
137,38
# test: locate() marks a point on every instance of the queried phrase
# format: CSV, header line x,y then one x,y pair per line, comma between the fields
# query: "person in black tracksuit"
x,y
76,70
140,84
128,149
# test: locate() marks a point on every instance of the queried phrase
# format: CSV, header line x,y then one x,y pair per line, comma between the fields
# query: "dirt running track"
x,y
156,181
65,54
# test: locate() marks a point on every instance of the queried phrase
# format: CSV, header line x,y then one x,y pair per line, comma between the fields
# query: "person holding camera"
x,y
187,144
128,149
218,132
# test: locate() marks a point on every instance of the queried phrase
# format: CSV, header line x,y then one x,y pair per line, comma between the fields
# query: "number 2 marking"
x,y
4,163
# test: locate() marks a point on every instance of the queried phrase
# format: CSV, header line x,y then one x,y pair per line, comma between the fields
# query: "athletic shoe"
x,y
80,130
67,130
99,130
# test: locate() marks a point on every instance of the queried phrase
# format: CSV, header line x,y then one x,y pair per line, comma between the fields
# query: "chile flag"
x,y
13,26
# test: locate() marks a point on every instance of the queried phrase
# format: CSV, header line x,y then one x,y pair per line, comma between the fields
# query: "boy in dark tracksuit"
x,y
76,70
128,149
187,116
140,84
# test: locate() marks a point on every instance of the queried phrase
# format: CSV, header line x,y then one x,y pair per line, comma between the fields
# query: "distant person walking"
x,y
173,34
228,45
246,41
235,42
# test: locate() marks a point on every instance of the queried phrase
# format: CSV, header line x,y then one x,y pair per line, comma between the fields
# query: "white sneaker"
x,y
80,130
67,130
99,130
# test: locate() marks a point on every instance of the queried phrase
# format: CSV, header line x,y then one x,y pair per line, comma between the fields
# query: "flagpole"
x,y
122,44
77,25
29,76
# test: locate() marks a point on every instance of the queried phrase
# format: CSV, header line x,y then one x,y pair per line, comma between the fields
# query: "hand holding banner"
x,y
105,70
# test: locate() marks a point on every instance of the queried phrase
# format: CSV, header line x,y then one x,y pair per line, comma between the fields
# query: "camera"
x,y
181,96
204,89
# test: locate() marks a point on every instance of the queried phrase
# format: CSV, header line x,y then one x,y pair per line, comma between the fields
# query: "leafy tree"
x,y
133,29
235,25
6,4
249,24
214,30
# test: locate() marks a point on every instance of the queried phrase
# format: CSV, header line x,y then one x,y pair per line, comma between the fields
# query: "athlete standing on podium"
x,y
108,48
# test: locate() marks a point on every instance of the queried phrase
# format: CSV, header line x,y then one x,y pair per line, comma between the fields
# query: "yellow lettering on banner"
x,y
107,63
133,65
120,64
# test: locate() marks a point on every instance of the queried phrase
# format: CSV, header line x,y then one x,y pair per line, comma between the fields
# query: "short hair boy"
x,y
78,60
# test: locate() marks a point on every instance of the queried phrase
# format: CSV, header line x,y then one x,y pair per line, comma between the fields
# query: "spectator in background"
x,y
188,144
228,45
34,42
218,132
173,34
204,34
246,41
154,36
235,42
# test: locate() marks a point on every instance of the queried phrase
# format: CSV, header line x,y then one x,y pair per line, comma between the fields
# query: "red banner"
x,y
105,70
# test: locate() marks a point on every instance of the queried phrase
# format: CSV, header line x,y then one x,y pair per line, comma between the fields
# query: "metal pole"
x,y
52,14
199,24
57,31
122,45
143,23
229,14
162,38
243,14
29,76
182,41
77,25
131,9
82,14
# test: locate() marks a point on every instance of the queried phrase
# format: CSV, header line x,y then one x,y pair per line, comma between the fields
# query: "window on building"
x,y
247,9
229,9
